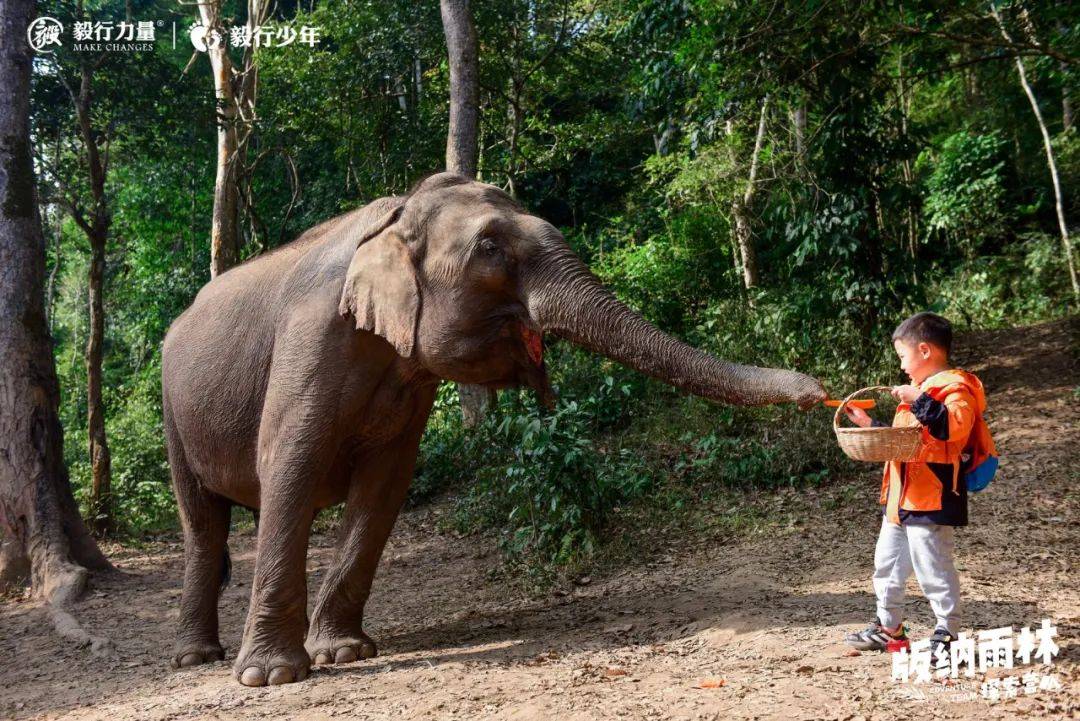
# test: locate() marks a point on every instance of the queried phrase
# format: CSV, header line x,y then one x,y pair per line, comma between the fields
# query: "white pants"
x,y
928,549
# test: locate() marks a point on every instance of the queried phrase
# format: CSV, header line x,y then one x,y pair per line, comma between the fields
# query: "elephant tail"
x,y
226,571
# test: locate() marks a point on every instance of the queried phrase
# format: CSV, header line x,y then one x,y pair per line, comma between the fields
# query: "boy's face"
x,y
916,359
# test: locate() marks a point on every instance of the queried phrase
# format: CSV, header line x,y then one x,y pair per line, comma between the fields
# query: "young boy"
x,y
924,500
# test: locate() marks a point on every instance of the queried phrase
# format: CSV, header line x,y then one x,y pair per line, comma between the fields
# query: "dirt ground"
x,y
744,629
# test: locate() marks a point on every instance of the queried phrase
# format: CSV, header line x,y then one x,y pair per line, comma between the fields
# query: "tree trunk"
x,y
1059,204
42,532
224,246
418,79
101,516
747,260
50,290
97,231
908,171
741,207
462,146
512,141
798,123
1066,101
461,138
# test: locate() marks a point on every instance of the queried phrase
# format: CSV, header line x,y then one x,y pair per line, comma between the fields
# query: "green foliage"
x,y
1025,283
1067,155
553,489
142,494
672,273
966,190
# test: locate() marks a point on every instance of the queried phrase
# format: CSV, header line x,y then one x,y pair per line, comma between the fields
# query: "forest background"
x,y
776,182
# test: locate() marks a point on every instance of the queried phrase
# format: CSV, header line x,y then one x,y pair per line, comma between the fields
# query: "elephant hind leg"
x,y
205,519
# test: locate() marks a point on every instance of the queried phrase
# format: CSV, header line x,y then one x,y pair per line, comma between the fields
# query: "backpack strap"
x,y
939,394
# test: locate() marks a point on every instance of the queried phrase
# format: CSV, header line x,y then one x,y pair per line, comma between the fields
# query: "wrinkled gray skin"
x,y
304,378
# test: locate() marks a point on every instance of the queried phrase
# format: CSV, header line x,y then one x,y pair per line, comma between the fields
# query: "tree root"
x,y
62,587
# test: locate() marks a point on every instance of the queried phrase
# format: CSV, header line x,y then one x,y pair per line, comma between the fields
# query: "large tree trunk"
x,y
1059,203
42,532
224,245
462,145
461,139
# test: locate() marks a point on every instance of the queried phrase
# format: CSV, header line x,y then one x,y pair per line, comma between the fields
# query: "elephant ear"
x,y
380,290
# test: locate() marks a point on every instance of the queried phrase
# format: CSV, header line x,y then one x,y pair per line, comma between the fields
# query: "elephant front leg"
x,y
272,651
292,457
336,634
376,495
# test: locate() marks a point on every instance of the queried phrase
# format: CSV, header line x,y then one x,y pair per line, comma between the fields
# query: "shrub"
x,y
142,491
672,273
552,483
1025,283
965,191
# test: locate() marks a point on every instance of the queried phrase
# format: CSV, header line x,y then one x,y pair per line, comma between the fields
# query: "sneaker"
x,y
875,638
940,643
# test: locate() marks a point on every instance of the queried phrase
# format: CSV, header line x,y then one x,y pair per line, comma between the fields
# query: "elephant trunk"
x,y
565,298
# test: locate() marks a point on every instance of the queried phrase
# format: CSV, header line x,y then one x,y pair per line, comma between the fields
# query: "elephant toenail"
x,y
323,657
253,676
345,654
368,650
280,675
190,659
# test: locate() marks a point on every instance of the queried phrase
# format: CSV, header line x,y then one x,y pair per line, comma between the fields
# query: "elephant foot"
x,y
325,649
262,666
193,654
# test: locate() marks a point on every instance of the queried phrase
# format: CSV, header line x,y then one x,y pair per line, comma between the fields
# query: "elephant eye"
x,y
489,248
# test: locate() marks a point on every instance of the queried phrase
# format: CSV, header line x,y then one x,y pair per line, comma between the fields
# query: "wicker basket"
x,y
877,444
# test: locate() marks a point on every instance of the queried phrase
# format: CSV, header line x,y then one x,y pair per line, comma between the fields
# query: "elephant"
x,y
304,378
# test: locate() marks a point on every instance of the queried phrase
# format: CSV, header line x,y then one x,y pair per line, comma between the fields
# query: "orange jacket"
x,y
914,486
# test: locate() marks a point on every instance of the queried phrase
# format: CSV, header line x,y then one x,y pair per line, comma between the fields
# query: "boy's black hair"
x,y
926,327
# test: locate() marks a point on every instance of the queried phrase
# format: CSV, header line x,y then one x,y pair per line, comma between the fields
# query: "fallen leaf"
x,y
853,652
711,683
612,671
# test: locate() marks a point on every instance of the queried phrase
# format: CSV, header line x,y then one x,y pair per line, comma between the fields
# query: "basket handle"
x,y
840,408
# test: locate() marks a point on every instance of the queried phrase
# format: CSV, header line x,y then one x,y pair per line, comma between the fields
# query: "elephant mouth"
x,y
534,343
529,369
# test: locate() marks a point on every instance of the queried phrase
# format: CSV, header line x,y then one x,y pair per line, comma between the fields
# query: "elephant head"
x,y
457,276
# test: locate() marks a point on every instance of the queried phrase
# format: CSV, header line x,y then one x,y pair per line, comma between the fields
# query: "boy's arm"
x,y
947,419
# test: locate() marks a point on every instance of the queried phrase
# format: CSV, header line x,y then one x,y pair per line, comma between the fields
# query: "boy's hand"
x,y
858,416
906,394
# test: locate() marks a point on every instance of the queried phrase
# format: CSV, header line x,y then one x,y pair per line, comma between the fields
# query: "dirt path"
x,y
763,615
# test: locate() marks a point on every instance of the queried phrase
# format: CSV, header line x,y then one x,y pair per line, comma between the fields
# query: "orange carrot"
x,y
864,403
